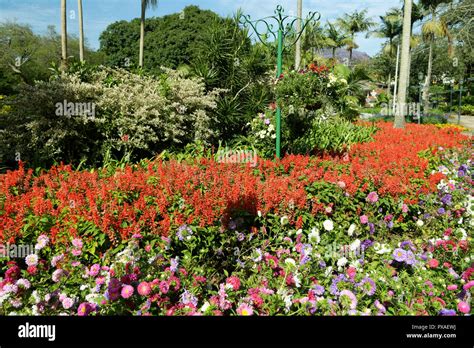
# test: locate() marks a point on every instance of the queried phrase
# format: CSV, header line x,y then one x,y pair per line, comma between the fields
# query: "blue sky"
x,y
99,13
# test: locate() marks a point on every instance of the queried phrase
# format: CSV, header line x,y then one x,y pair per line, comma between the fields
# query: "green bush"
x,y
334,137
135,116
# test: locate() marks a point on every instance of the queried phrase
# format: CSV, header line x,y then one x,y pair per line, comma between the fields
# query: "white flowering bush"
x,y
133,114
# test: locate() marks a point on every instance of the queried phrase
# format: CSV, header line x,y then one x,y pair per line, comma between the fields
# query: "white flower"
x,y
299,231
297,281
342,262
205,306
284,220
259,213
36,296
83,287
420,223
31,260
328,225
355,245
328,271
314,236
351,229
290,262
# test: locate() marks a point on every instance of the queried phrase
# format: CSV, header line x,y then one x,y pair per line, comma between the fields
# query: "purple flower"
x,y
232,225
267,121
380,307
84,309
240,237
408,243
174,264
334,289
446,200
322,264
410,258
441,211
371,228
188,298
184,231
319,290
399,255
447,312
367,285
349,295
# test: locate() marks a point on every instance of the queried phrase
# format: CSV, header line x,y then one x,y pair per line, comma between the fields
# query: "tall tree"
x,y
431,30
354,23
404,66
145,5
63,36
335,38
81,31
389,28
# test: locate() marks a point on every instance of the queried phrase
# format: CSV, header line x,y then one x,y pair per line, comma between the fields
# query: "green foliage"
x,y
333,136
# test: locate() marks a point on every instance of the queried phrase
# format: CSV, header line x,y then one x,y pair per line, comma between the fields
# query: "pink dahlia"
x,y
452,287
127,291
433,263
364,219
463,307
144,289
372,197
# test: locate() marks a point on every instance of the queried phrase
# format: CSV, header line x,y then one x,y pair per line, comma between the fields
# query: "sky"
x,y
98,14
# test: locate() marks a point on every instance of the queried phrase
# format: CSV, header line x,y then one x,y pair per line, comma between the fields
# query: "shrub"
x,y
134,115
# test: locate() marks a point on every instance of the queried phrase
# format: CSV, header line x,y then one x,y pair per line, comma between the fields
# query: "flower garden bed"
x,y
385,229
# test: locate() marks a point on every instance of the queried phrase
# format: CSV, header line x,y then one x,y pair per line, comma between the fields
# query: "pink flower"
x,y
144,289
234,282
84,309
164,287
76,252
364,219
77,243
463,307
94,270
148,248
127,291
433,263
372,197
351,272
468,285
452,287
245,309
341,184
404,208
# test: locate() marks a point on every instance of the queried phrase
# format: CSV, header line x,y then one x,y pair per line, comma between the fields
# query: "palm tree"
x,y
356,22
145,4
389,28
335,38
416,15
314,38
431,30
81,31
63,36
404,65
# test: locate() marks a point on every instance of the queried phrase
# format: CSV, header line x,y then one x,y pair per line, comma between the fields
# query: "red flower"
x,y
433,263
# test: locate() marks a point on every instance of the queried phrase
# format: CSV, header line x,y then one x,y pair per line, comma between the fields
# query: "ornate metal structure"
x,y
279,26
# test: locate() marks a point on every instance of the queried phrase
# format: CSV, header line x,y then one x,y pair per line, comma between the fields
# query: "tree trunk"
x,y
409,57
426,87
404,66
63,36
142,34
334,53
81,31
298,29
